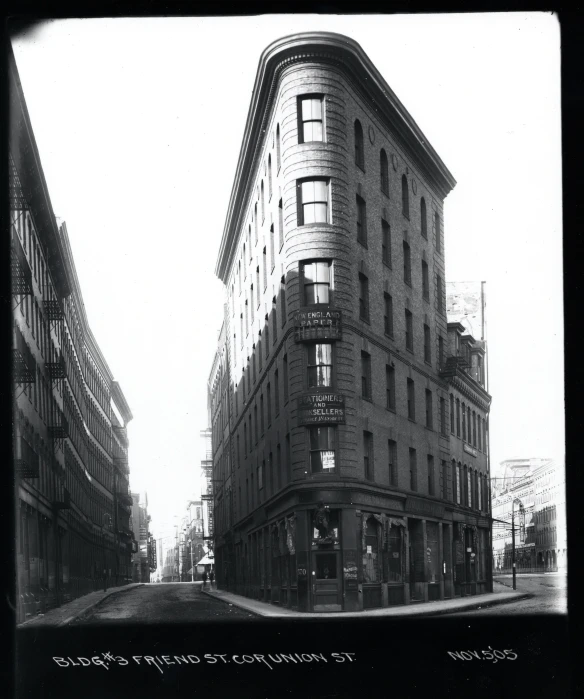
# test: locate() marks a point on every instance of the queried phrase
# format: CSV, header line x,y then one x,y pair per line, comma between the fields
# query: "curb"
x,y
478,605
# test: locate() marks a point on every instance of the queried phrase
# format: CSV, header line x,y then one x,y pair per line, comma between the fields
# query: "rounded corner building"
x,y
349,417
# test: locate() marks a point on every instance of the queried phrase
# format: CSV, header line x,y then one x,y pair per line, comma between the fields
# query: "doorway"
x,y
326,582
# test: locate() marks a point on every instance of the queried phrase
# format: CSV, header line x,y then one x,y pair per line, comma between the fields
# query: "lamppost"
x,y
103,527
521,510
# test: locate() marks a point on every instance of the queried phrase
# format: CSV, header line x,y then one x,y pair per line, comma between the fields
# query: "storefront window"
x,y
322,449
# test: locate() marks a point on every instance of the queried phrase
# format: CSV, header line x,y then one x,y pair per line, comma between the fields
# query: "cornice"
x,y
348,56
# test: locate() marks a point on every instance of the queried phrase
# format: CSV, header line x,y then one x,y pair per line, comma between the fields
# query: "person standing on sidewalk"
x,y
211,579
204,579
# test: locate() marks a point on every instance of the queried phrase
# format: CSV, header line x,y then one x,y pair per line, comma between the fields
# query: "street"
x,y
162,603
549,592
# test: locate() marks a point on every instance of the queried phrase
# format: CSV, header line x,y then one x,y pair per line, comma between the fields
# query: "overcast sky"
x,y
139,125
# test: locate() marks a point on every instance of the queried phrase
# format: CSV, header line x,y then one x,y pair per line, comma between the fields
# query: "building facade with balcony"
x,y
330,390
70,416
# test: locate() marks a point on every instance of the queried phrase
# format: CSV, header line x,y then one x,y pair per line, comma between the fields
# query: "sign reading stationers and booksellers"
x,y
321,409
317,323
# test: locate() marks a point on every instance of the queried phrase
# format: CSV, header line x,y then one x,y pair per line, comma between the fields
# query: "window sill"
x,y
426,298
387,264
361,167
390,335
411,419
367,398
365,320
410,350
391,410
406,216
386,193
363,243
408,282
428,362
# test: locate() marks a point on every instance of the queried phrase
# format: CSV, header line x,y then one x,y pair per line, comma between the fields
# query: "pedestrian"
x,y
211,579
204,578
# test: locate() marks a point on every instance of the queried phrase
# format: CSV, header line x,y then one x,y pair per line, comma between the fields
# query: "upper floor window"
x,y
439,293
320,365
317,282
388,314
407,264
280,224
429,411
361,221
312,201
405,197
457,417
278,154
368,455
384,172
423,218
385,243
366,375
310,119
437,227
359,145
389,387
427,345
409,330
363,297
411,399
322,449
425,281
452,413
262,202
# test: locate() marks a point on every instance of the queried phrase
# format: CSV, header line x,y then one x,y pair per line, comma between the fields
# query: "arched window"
x,y
278,156
262,202
424,224
359,146
384,172
269,177
405,197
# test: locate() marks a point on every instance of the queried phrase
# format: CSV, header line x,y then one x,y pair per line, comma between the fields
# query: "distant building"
x,y
70,415
140,526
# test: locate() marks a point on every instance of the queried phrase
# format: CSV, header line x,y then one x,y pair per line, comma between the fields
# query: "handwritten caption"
x,y
493,655
105,660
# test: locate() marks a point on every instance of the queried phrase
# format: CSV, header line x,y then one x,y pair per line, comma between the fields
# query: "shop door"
x,y
326,582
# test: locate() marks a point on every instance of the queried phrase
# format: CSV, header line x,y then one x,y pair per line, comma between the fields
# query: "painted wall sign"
x,y
316,323
420,506
321,408
470,450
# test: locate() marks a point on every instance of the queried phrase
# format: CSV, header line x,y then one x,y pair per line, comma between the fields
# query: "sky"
x,y
139,125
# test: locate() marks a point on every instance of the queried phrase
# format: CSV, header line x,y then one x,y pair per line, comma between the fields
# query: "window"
x,y
457,417
366,375
468,425
255,417
429,416
361,221
255,218
474,429
280,223
405,197
465,485
317,282
479,440
458,485
276,392
392,461
389,387
388,314
363,297
423,219
427,345
320,365
469,488
245,438
437,228
368,455
431,476
411,400
385,243
283,300
407,264
440,352
322,449
463,423
439,293
312,202
288,459
310,121
485,437
443,417
251,302
425,281
413,470
269,177
409,330
359,146
269,399
267,336
279,466
384,172
278,155
444,479
261,469
285,377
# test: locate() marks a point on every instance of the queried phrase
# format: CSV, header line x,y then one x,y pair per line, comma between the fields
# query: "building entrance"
x,y
326,579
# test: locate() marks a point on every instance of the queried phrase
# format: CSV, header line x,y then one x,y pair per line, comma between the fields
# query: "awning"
x,y
207,560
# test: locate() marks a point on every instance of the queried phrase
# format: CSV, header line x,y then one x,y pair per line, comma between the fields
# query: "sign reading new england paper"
x,y
321,409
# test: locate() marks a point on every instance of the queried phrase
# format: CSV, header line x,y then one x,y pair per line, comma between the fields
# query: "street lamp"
x,y
521,510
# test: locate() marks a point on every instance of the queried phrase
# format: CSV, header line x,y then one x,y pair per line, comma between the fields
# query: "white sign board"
x,y
328,459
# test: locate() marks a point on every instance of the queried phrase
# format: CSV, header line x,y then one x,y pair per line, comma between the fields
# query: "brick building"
x,y
140,527
70,416
340,479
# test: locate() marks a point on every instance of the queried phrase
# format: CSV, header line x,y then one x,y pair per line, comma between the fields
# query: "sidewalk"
x,y
63,615
417,609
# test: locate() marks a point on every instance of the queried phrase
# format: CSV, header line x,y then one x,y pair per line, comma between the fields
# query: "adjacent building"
x,y
142,558
70,415
348,416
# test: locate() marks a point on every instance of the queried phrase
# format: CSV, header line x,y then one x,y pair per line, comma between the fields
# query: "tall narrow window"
x,y
457,417
423,218
431,476
283,301
392,461
439,293
288,459
468,425
458,485
474,429
437,230
276,392
388,314
405,197
269,402
409,330
413,470
255,218
407,264
368,455
443,430
384,172
361,221
322,449
280,224
255,419
389,387
363,297
310,121
366,375
385,243
278,155
465,485
427,345
262,202
312,202
479,440
272,253
320,365
469,488
429,411
317,282
285,377
262,414
359,146
265,268
444,479
480,492
411,399
269,177
440,352
425,281
251,303
463,423
245,437
279,466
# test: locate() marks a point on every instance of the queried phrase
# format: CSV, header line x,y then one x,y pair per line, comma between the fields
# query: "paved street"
x,y
162,603
549,592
